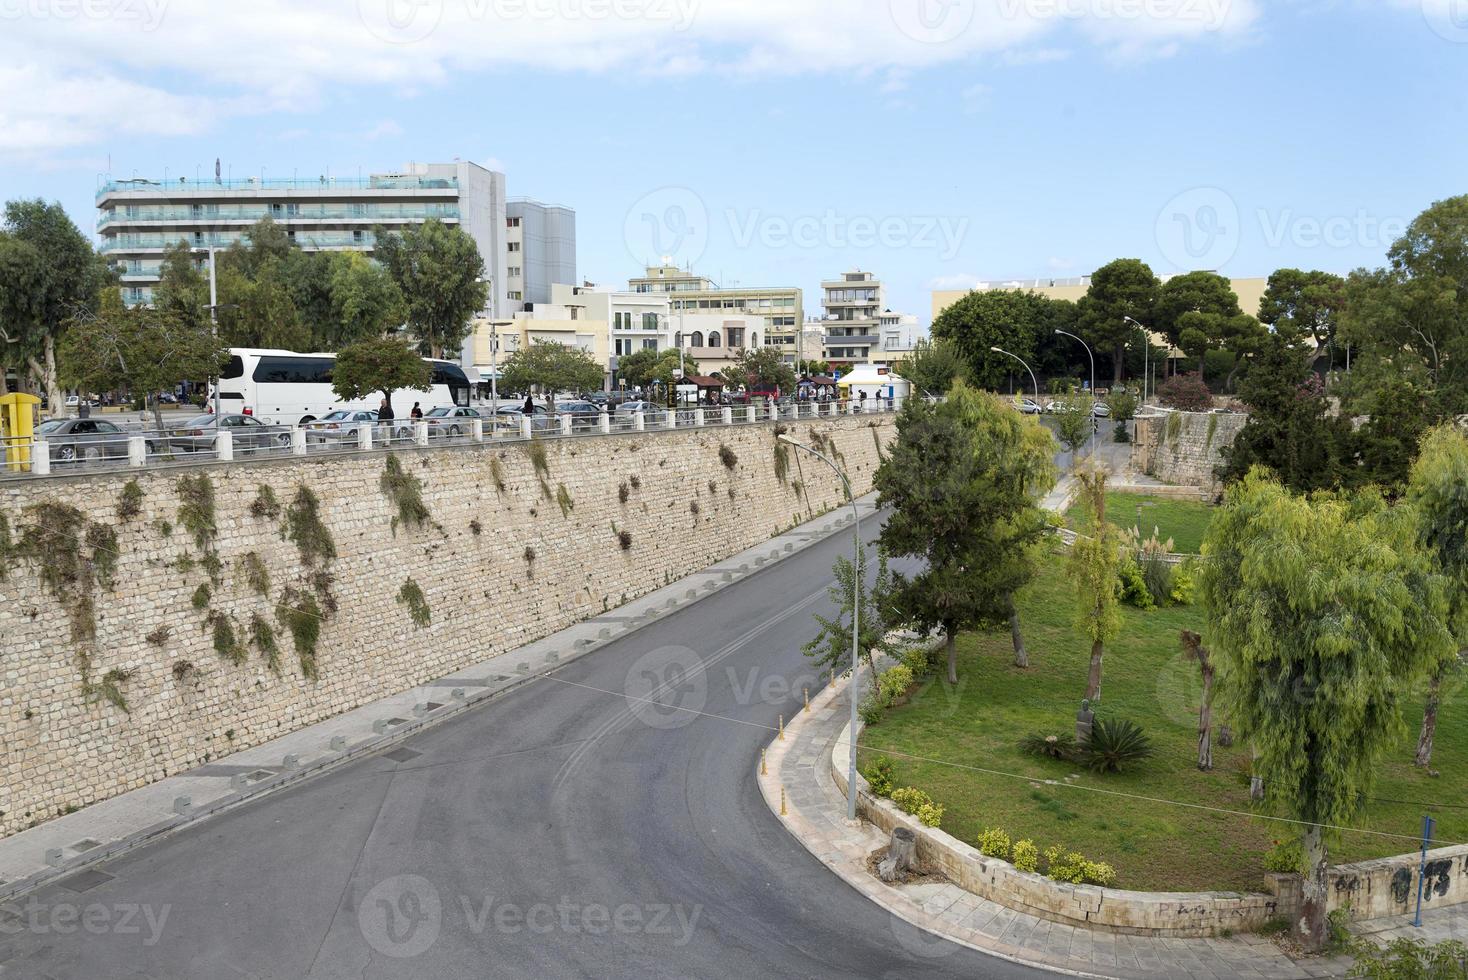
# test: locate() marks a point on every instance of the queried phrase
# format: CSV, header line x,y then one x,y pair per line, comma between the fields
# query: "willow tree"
x,y
1438,491
1093,567
1321,611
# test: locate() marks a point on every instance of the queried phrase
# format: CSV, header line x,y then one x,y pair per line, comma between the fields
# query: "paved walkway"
x,y
816,815
69,843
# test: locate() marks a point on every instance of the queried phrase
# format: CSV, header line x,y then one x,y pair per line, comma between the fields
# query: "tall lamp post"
x,y
856,586
1146,355
1000,350
1093,386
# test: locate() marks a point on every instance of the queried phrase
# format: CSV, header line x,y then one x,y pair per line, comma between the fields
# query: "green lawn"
x,y
1185,521
1154,846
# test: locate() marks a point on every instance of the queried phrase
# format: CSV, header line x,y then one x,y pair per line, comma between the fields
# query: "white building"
x,y
639,321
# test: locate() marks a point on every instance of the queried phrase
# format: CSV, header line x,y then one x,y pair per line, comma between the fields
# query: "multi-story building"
x,y
640,321
540,246
716,339
573,324
782,308
852,304
899,334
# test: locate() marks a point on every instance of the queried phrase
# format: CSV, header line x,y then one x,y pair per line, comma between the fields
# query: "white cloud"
x,y
385,129
177,66
960,280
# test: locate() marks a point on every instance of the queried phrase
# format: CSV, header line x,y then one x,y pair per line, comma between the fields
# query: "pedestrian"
x,y
83,408
417,412
529,408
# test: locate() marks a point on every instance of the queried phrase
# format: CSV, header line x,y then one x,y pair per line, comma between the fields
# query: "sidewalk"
x,y
72,842
816,816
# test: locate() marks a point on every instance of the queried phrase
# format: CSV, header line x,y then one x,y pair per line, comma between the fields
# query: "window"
x,y
696,339
754,340
513,246
515,294
514,270
512,222
293,370
649,343
357,237
649,321
292,210
714,338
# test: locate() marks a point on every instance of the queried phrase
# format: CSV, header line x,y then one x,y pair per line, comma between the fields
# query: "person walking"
x,y
417,412
529,408
385,417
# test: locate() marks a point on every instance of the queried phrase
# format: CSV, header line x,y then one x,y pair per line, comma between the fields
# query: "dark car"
x,y
199,433
90,440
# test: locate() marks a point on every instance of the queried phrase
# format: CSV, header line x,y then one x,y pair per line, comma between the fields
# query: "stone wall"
x,y
1184,447
498,562
1388,886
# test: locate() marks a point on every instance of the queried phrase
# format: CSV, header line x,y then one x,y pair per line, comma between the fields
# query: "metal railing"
x,y
150,448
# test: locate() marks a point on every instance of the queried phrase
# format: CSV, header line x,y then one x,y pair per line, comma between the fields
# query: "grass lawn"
x,y
1185,521
1153,846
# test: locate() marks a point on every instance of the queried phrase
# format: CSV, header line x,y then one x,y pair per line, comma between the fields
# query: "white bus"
x,y
281,387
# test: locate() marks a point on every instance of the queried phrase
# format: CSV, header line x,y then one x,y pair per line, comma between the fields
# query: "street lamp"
x,y
1093,386
999,350
1146,354
494,346
856,584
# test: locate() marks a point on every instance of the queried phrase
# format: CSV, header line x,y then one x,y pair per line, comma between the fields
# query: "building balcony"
x,y
153,242
366,215
208,185
855,340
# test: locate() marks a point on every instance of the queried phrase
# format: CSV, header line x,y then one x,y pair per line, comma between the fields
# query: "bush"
x,y
994,843
1410,959
1285,857
1184,585
870,708
1120,433
1069,866
879,775
921,661
1026,856
1133,585
1115,744
1157,574
893,684
919,804
1186,393
1338,928
1061,746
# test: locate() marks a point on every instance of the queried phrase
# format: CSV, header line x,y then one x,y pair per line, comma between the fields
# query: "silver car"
x,y
339,427
199,434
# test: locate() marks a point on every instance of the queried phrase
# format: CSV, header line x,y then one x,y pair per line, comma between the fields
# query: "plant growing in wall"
x,y
300,614
262,635
226,642
109,689
201,597
535,449
130,501
102,541
728,457
255,574
196,508
305,528
265,506
563,499
411,595
405,491
782,462
497,474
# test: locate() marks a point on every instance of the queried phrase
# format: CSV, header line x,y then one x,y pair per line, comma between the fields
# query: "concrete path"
x,y
922,913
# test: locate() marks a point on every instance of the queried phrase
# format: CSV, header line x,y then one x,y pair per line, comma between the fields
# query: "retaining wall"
x,y
498,562
1184,447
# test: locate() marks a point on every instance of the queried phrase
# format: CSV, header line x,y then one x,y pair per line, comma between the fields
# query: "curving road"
x,y
563,830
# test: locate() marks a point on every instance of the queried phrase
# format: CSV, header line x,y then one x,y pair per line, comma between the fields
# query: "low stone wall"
x,y
1388,886
1184,447
516,545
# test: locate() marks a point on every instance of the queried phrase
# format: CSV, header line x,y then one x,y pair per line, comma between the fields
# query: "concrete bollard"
x,y
639,422
783,812
728,415
781,734
672,418
53,857
476,430
525,430
604,423
807,700
298,441
224,446
565,424
181,804
137,451
420,433
763,771
40,457
379,727
364,437
338,743
239,782
698,416
290,762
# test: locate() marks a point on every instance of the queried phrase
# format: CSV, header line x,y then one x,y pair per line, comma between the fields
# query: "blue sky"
x,y
934,142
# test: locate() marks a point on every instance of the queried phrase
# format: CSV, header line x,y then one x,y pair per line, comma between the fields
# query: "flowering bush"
x,y
919,804
879,775
893,684
1186,393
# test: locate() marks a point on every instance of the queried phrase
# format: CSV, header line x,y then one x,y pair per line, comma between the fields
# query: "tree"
x,y
1193,292
60,278
258,310
1304,305
932,366
21,287
440,272
1438,492
963,479
1289,430
1195,651
1321,610
552,367
1123,407
642,368
143,351
814,368
830,649
761,369
1093,567
1073,423
1120,289
385,364
365,302
1008,318
1186,393
1385,445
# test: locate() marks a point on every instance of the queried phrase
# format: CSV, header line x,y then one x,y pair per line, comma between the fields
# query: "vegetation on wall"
x,y
262,635
304,527
782,461
728,457
54,542
201,598
265,505
406,493
109,689
299,612
535,449
130,501
411,595
102,540
497,474
255,574
196,509
226,642
563,499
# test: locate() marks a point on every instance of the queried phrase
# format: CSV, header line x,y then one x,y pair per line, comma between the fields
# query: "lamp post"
x,y
999,350
494,346
856,585
1093,387
1146,355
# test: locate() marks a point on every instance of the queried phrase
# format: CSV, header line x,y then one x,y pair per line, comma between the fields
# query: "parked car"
x,y
451,421
629,408
1028,406
584,415
199,433
1101,410
338,427
91,440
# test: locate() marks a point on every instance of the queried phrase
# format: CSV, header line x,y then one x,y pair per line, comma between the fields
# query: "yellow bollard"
x,y
833,676
807,700
762,770
783,811
781,736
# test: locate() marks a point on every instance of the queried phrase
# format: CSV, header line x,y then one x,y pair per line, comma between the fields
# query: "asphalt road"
x,y
563,830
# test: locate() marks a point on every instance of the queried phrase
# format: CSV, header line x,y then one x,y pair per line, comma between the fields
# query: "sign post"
x,y
1428,825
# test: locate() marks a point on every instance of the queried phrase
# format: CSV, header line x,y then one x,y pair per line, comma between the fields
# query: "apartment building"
x,y
782,308
852,303
639,321
540,250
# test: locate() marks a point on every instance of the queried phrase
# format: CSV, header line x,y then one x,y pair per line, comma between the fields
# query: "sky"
x,y
935,143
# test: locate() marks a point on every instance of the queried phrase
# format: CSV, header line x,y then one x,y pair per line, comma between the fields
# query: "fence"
x,y
61,454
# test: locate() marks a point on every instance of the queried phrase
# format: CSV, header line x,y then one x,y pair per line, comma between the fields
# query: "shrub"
x,y
994,843
1062,746
1186,393
411,595
1157,574
1133,585
879,775
919,804
1184,585
130,502
870,708
1063,865
201,597
1026,856
728,457
1402,959
265,505
1119,433
1285,857
921,660
1115,744
406,493
893,684
1338,928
